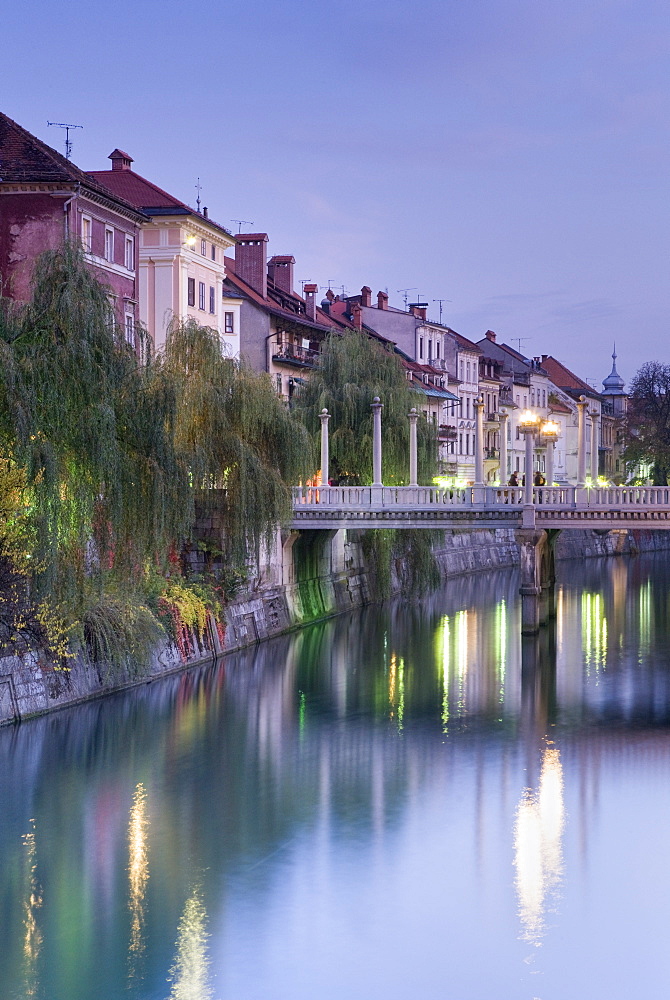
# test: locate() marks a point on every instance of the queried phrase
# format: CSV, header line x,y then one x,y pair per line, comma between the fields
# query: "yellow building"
x,y
181,258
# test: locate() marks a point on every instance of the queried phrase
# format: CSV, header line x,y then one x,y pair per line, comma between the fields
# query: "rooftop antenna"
x,y
303,282
519,341
441,301
68,141
198,188
241,222
404,292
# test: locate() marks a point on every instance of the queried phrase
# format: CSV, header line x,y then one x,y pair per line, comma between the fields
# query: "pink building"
x,y
44,199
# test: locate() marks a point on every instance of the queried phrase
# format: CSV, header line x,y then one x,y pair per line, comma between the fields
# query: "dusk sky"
x,y
509,156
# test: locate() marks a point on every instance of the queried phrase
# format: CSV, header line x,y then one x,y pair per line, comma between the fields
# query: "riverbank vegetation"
x,y
102,456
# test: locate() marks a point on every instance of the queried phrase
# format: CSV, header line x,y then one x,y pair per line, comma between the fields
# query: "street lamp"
x,y
529,425
551,432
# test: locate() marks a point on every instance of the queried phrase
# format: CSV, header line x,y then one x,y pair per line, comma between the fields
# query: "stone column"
x,y
551,444
530,543
594,447
528,492
504,417
413,417
581,441
324,417
376,408
479,442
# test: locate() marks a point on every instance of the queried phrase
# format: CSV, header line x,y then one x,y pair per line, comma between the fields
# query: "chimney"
x,y
382,300
120,160
280,273
366,297
251,250
310,301
205,212
419,312
357,315
490,335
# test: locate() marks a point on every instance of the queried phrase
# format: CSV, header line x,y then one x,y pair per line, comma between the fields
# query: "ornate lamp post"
x,y
529,425
551,432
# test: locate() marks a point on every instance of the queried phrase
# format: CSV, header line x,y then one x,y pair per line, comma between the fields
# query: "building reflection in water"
x,y
190,973
32,936
538,855
138,875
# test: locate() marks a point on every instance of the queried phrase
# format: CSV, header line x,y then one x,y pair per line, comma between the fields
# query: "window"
x,y
460,444
228,326
212,301
203,247
421,347
278,377
467,367
130,329
86,233
430,350
109,244
130,253
213,252
201,295
191,291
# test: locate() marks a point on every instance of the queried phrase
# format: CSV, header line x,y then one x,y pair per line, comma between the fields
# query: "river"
x,y
408,801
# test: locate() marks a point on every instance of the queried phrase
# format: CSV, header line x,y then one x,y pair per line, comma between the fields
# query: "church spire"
x,y
613,384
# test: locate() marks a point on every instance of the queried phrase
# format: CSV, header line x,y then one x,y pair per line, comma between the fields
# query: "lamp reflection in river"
x,y
32,936
190,972
397,689
538,854
138,874
594,631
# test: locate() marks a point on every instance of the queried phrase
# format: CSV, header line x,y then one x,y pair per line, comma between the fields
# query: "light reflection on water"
x,y
410,800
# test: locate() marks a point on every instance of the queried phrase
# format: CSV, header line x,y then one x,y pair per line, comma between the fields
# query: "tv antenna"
x,y
68,141
198,188
404,292
519,341
303,282
441,301
242,222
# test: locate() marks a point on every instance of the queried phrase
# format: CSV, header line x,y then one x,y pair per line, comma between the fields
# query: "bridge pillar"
x,y
533,545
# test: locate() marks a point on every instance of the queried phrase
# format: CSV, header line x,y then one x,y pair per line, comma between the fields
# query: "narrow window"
x,y
421,347
109,244
212,302
130,329
191,291
130,253
228,322
203,247
86,233
213,252
201,295
278,377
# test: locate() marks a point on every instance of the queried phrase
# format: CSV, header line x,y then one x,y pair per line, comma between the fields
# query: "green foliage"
x,y
232,431
352,370
112,450
407,553
648,420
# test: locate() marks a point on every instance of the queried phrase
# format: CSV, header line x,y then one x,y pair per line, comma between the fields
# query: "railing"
x,y
294,352
609,498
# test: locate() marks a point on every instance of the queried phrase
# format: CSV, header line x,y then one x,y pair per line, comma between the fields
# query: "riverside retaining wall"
x,y
310,575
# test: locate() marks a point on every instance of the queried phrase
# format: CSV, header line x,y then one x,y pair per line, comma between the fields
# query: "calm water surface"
x,y
406,802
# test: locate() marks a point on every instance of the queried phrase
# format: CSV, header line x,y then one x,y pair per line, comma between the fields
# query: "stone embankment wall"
x,y
310,575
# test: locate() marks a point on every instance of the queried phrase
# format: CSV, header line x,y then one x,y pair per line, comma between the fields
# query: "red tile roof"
x,y
25,158
563,377
146,195
322,318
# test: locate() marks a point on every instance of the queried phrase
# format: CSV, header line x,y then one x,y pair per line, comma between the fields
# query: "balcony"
x,y
447,433
293,354
492,453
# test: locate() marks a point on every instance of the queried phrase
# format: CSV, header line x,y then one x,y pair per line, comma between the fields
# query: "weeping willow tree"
x,y
233,432
352,370
112,451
